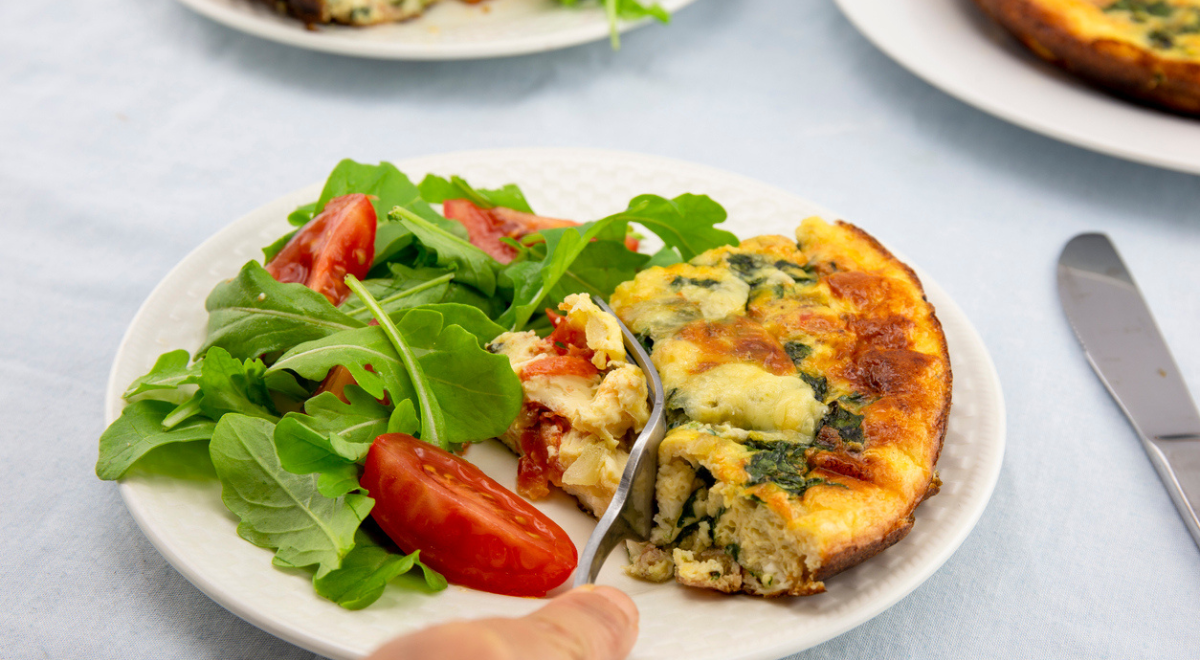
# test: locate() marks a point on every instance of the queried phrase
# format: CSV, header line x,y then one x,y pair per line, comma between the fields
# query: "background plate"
x,y
450,30
187,522
956,48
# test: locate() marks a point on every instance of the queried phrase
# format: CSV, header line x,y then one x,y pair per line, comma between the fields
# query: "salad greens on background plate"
x,y
451,29
175,493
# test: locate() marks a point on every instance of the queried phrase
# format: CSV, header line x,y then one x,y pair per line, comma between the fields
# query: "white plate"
x,y
187,522
449,30
956,48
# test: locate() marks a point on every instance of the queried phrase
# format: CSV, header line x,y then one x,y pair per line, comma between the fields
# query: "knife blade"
x,y
1126,349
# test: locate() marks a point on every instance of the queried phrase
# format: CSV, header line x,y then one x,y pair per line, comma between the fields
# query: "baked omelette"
x,y
808,388
1147,50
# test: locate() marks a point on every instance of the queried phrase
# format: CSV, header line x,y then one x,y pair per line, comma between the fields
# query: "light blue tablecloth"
x,y
130,130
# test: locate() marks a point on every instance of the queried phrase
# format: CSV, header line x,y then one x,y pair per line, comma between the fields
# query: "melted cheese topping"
x,y
808,384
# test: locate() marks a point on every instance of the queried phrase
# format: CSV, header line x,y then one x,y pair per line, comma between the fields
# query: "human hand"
x,y
587,623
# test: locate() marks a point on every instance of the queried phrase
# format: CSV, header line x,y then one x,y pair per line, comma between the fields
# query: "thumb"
x,y
588,623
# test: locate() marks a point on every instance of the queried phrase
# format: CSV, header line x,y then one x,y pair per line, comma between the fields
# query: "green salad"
x,y
626,10
412,333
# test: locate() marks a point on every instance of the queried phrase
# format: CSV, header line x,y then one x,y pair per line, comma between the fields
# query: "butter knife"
x,y
1126,349
631,512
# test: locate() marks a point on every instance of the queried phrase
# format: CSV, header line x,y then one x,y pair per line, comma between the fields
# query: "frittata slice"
x,y
808,386
353,12
584,405
1148,50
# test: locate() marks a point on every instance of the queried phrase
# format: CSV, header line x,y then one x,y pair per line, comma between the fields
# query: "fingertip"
x,y
620,600
602,619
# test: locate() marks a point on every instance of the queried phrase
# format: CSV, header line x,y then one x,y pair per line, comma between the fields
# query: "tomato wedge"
x,y
486,227
468,527
339,241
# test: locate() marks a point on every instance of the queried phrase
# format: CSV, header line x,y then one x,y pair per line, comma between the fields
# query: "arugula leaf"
x,y
389,186
626,10
444,383
278,509
169,372
366,571
390,239
685,223
472,265
252,315
138,430
332,438
667,256
475,392
435,189
185,410
536,279
286,384
599,269
229,386
469,318
404,419
398,293
356,350
410,287
275,248
478,392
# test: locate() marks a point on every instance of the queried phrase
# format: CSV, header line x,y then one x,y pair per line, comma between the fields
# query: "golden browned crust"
x,y
881,362
853,556
943,351
1122,66
864,549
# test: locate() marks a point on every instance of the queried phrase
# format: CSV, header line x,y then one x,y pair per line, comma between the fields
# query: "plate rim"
x,y
860,15
326,41
972,341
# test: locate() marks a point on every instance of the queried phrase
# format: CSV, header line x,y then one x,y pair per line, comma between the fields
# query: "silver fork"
x,y
631,513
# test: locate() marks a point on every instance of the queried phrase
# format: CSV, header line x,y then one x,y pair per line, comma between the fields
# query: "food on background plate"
x,y
354,12
367,325
584,405
375,12
807,392
1146,50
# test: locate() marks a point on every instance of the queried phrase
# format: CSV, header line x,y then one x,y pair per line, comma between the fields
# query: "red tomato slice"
x,y
484,233
486,227
564,333
339,241
559,365
535,471
468,527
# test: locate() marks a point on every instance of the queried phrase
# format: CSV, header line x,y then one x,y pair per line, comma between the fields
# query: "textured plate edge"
x,y
856,12
289,200
314,40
